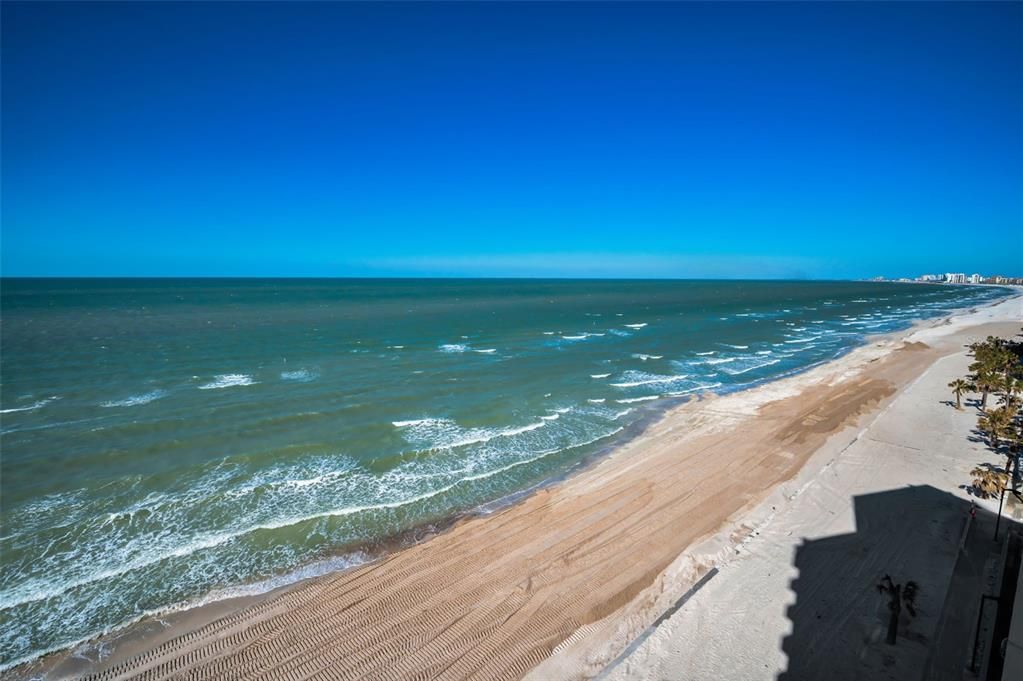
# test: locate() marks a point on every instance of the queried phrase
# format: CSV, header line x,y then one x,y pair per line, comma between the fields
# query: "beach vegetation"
x,y
960,386
988,481
997,369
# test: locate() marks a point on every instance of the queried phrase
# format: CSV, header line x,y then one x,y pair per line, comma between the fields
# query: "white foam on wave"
x,y
435,434
599,375
638,379
709,352
551,417
453,347
597,401
487,351
640,355
635,326
764,352
522,429
808,339
228,381
39,404
413,422
630,400
387,496
719,360
735,371
619,332
737,347
580,337
548,333
300,375
134,400
706,386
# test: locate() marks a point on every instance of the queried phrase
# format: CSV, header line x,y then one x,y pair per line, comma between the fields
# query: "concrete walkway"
x,y
799,599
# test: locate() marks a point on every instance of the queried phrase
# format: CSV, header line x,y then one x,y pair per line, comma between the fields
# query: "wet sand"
x,y
569,576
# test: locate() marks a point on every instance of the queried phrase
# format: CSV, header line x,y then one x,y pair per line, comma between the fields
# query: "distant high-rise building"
x,y
955,278
975,278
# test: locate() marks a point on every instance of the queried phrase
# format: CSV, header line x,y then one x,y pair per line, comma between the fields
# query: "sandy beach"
x,y
560,584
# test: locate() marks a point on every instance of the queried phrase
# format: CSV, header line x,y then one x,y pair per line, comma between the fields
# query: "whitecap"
x,y
638,379
36,405
227,381
134,400
433,434
737,347
599,375
709,352
486,351
414,422
749,367
600,401
636,326
521,429
639,355
551,417
453,347
300,375
630,400
692,390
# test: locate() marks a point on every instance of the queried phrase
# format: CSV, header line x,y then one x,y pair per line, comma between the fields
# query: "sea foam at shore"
x,y
168,440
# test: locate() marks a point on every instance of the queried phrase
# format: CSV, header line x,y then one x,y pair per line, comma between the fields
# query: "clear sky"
x,y
682,140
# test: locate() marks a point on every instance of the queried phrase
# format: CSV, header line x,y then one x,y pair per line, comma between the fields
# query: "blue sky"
x,y
569,139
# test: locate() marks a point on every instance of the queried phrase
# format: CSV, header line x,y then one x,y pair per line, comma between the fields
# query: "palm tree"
x,y
996,366
960,386
998,425
988,482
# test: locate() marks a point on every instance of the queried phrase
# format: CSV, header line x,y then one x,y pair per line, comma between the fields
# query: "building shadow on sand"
x,y
918,534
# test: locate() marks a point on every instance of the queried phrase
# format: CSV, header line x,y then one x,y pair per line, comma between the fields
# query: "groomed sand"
x,y
559,584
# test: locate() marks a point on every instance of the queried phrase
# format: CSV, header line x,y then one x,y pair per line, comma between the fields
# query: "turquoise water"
x,y
165,441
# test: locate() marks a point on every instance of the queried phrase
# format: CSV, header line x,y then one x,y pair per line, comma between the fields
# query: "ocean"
x,y
168,442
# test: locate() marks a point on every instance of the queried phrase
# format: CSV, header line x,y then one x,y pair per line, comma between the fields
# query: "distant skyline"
x,y
689,140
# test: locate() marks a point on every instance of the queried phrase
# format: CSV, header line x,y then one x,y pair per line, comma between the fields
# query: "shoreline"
x,y
138,636
794,600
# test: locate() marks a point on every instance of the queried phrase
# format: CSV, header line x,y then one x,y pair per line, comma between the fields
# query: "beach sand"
x,y
559,584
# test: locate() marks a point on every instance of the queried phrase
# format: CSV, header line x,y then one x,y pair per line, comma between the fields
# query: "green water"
x,y
166,442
